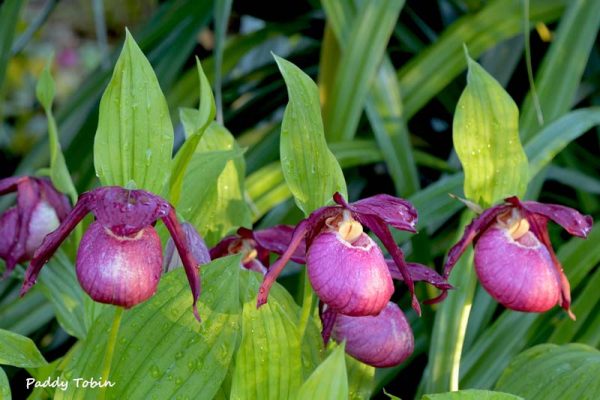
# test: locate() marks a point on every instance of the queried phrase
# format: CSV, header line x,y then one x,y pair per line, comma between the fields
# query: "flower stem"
x,y
110,349
308,300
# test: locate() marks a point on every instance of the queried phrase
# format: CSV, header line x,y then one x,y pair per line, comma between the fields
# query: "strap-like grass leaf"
x,y
486,138
310,169
134,139
549,371
4,386
329,381
19,351
9,17
161,348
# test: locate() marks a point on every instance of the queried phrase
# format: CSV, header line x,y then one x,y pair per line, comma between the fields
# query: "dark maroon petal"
x,y
419,272
54,239
519,274
328,317
476,227
126,212
392,210
351,278
277,267
383,340
123,271
222,248
194,242
381,230
9,185
190,264
277,240
256,266
28,199
572,220
539,227
9,221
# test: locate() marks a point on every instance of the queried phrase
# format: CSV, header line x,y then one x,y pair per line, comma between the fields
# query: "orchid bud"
x,y
348,271
383,340
513,256
194,242
119,260
39,210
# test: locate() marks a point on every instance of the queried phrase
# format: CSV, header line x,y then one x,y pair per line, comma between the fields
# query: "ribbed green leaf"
x,y
366,44
360,379
310,169
73,308
4,386
425,75
486,138
222,12
25,315
549,371
19,351
560,73
195,123
329,381
59,172
471,394
268,364
162,350
450,324
213,186
134,139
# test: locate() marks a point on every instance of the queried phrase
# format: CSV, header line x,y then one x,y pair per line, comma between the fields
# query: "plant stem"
x,y
110,349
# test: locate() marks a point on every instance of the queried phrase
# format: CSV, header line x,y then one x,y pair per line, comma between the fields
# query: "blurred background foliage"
x,y
390,75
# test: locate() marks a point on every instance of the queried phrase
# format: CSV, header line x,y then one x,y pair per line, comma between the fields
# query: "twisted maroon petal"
x,y
277,267
54,239
392,210
570,219
478,225
381,230
277,239
420,272
57,200
328,317
9,185
189,262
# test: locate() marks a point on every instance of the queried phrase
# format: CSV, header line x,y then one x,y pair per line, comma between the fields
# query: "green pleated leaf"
x,y
361,378
19,351
472,394
214,186
268,364
59,173
366,43
134,139
310,169
162,350
195,123
74,309
486,138
549,371
329,381
4,386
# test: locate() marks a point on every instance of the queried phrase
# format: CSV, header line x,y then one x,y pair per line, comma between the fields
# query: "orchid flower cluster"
x,y
120,258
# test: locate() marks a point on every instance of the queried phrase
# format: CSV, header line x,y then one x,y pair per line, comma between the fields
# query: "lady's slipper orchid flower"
x,y
256,246
383,340
39,210
345,267
514,258
194,243
119,260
